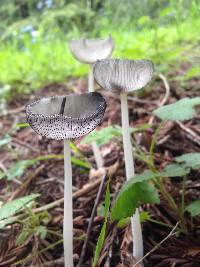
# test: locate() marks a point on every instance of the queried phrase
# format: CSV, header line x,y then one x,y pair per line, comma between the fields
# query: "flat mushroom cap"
x,y
123,75
91,50
66,117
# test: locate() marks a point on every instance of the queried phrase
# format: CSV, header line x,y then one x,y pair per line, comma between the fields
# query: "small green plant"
x,y
143,187
17,169
13,207
33,225
102,235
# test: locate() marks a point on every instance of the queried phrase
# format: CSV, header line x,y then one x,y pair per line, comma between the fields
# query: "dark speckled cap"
x,y
66,117
123,75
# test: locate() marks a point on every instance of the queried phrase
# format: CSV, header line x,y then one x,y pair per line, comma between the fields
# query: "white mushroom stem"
x,y
95,148
68,208
91,79
129,165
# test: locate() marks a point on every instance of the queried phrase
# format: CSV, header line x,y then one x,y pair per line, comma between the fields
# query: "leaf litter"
x,y
176,251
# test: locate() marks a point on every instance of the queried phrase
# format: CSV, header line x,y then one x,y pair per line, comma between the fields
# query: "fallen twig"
x,y
190,134
158,245
166,96
100,191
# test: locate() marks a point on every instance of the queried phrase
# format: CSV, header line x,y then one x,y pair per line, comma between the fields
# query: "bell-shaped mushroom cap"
x,y
66,117
91,50
123,75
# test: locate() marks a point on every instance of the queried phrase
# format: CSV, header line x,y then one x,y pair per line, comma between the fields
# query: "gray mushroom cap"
x,y
91,50
123,75
66,117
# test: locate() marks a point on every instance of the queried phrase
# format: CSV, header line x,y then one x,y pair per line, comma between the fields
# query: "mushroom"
x,y
65,118
122,76
89,51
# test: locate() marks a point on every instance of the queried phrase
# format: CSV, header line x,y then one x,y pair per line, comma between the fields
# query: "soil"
x,y
46,178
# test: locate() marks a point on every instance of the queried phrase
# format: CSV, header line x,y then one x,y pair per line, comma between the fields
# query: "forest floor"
x,y
46,178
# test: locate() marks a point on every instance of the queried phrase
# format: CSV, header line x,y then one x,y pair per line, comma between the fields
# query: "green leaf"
x,y
5,222
81,163
180,110
14,206
107,202
194,208
18,169
2,175
123,222
144,216
22,237
102,235
174,170
190,160
131,196
6,140
102,136
21,125
145,176
41,231
75,161
192,72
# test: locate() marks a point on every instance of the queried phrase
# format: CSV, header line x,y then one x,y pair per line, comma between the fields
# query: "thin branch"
x,y
100,191
190,134
172,233
166,96
167,89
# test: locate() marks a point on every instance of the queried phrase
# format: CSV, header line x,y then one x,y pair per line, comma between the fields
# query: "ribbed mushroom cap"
x,y
123,75
66,117
91,50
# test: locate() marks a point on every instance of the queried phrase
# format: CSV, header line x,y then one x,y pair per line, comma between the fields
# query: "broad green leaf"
x,y
5,222
174,170
145,176
194,208
6,140
190,160
14,206
131,196
102,136
102,235
183,109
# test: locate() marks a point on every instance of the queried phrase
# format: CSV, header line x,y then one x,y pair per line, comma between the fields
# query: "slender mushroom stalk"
x,y
130,171
91,79
68,207
66,118
121,77
89,51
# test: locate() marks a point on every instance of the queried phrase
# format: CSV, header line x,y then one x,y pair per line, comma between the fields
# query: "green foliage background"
x,y
34,37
